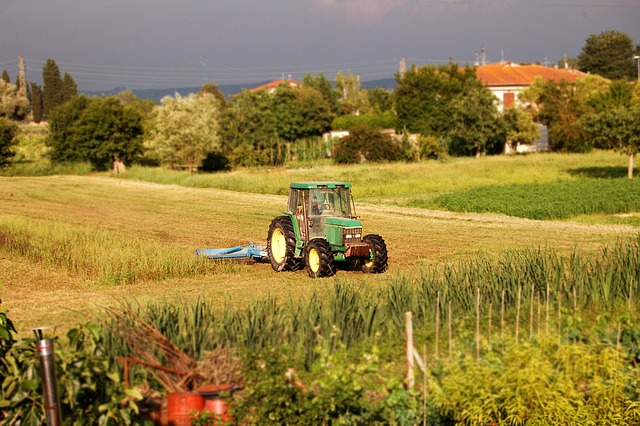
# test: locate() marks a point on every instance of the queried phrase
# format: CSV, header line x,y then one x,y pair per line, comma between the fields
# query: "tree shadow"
x,y
601,172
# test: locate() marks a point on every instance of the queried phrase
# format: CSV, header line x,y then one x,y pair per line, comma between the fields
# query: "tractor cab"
x,y
314,203
320,229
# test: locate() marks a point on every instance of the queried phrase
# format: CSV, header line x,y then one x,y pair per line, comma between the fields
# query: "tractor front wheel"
x,y
319,259
281,245
378,262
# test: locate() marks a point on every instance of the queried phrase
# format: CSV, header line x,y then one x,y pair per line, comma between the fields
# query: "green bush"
x,y
215,162
338,391
432,148
365,144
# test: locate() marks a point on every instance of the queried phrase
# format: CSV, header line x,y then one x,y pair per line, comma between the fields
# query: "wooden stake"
x,y
518,313
437,324
539,314
478,324
408,329
424,386
450,332
547,303
502,316
490,325
630,291
559,319
533,289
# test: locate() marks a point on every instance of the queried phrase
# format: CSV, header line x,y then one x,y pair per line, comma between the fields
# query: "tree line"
x,y
447,106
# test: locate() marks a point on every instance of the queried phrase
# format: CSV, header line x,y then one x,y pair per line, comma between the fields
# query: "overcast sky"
x,y
170,43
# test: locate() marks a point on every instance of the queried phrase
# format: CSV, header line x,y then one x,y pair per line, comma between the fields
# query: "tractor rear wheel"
x,y
319,259
281,245
380,260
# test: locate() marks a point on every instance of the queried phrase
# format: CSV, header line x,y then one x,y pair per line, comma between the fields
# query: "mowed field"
x,y
77,229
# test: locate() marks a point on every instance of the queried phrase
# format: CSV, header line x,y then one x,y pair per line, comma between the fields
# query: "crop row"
x,y
544,201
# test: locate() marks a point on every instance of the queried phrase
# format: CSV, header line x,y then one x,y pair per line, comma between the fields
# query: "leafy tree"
x,y
53,87
615,121
8,132
260,127
185,129
520,127
558,106
69,87
609,54
619,93
214,90
5,76
300,113
477,126
99,130
141,106
381,100
324,86
423,97
36,103
13,105
619,128
249,130
353,100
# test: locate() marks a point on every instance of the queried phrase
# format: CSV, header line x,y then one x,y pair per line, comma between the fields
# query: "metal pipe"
x,y
49,382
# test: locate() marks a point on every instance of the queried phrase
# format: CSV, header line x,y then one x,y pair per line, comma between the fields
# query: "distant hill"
x,y
228,89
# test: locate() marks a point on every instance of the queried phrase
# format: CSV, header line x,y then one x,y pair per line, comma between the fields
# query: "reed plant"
x,y
349,314
104,256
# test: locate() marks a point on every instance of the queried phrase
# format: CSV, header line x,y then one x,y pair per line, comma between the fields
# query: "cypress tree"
x,y
52,90
36,102
69,87
5,76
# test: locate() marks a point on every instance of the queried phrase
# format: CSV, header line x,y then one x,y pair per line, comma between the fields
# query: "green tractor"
x,y
320,230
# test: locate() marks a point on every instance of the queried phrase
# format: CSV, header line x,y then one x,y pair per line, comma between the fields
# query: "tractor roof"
x,y
315,185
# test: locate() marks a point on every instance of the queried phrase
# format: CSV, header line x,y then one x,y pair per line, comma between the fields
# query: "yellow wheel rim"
x,y
278,245
313,260
369,263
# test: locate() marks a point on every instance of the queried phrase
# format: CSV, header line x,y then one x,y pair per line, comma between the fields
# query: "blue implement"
x,y
238,252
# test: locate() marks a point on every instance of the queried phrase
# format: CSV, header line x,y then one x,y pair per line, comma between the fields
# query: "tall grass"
x,y
399,181
350,313
105,256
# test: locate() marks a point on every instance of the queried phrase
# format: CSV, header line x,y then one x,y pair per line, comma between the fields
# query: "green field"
x,y
525,307
73,243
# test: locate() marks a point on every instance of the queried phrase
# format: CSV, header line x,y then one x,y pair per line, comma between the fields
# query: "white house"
x,y
506,80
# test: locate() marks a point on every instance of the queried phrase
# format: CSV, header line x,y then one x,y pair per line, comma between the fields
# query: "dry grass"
x,y
183,219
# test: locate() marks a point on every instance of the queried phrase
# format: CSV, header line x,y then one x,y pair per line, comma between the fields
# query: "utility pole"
x,y
402,66
22,80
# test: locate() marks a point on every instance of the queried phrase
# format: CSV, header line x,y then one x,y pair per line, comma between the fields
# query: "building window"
x,y
509,99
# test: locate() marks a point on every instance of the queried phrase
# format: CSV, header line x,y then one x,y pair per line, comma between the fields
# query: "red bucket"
x,y
182,408
219,407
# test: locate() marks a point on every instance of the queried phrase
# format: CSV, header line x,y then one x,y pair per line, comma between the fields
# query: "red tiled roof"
x,y
508,74
275,83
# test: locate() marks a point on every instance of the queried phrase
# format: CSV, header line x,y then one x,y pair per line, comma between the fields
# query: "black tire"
x,y
380,261
319,259
281,245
